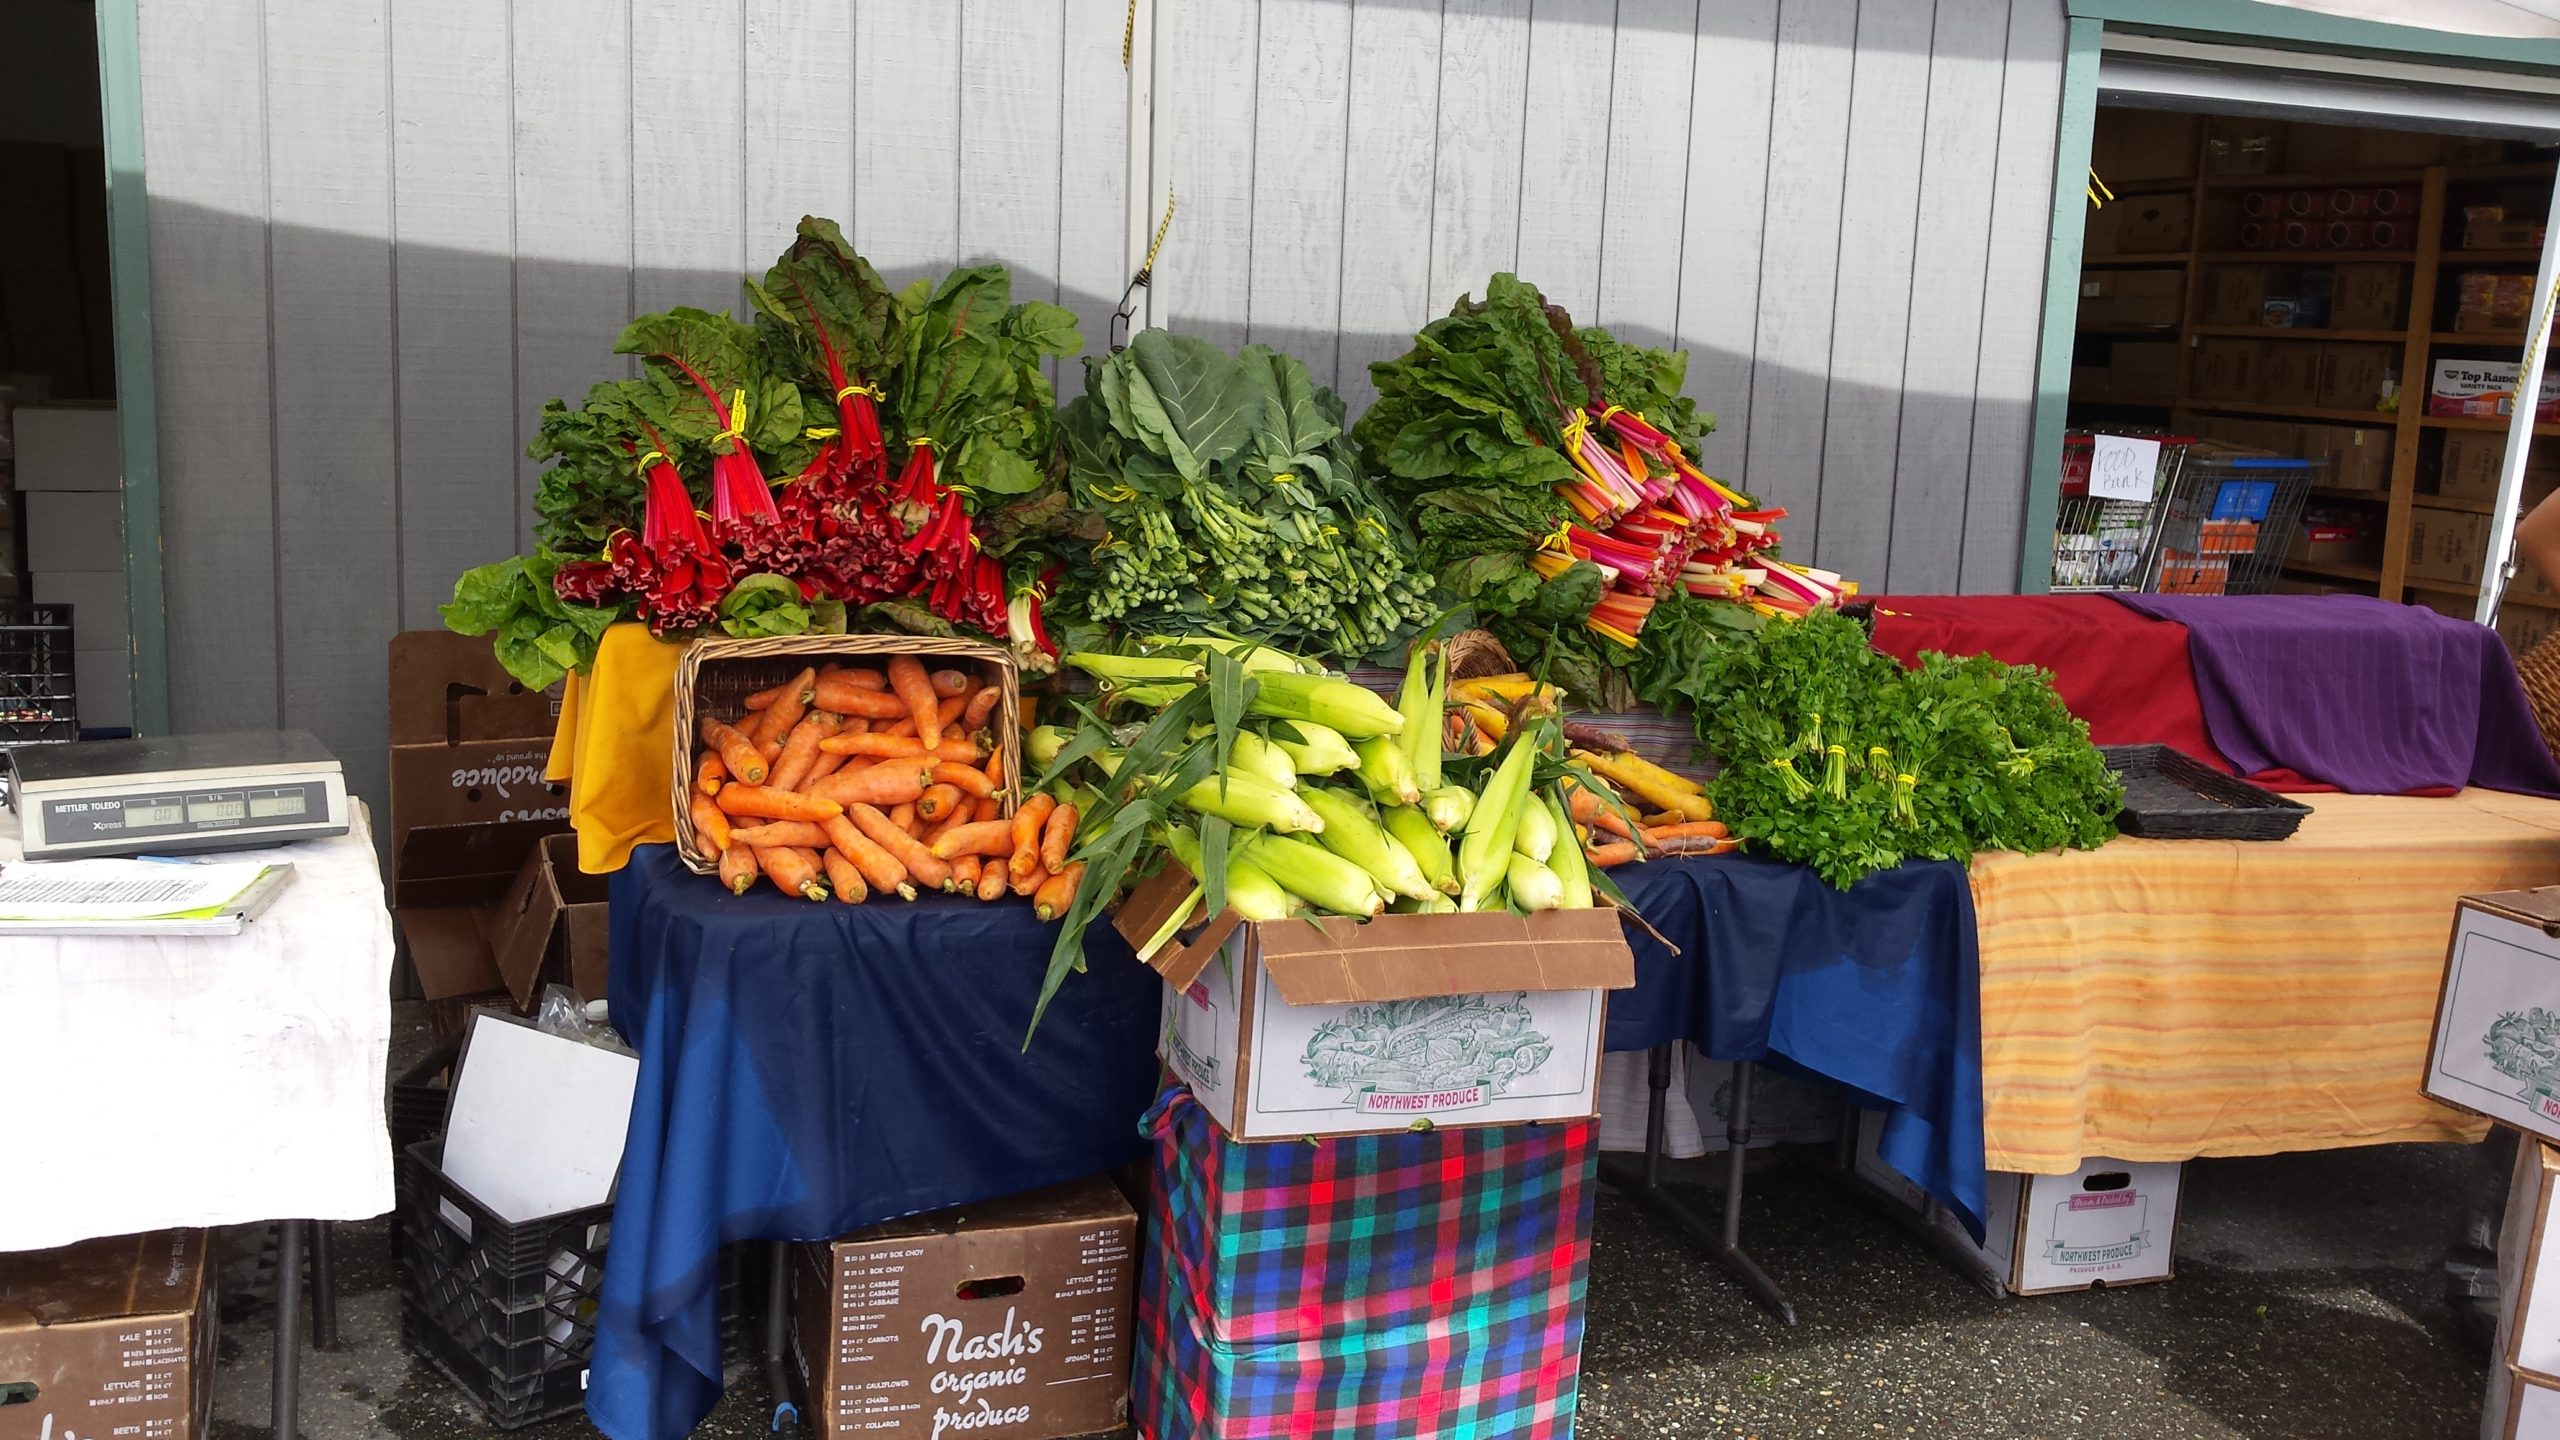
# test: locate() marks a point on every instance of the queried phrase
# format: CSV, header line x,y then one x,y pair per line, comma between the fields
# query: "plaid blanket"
x,y
1414,1285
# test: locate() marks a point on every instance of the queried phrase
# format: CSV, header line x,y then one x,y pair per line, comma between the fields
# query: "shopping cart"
x,y
2217,523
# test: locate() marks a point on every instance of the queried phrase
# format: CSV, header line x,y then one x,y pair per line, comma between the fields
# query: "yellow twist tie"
x,y
1120,495
1574,429
1561,541
1284,478
652,458
1840,750
858,388
735,423
816,432
924,442
1908,779
1611,410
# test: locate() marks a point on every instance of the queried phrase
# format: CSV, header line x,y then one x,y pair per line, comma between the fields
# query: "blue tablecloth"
x,y
807,1070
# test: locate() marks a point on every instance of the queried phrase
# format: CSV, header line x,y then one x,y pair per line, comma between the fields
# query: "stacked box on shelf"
x,y
1412,1284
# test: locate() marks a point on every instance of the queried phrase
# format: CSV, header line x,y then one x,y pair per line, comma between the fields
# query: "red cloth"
x,y
2128,675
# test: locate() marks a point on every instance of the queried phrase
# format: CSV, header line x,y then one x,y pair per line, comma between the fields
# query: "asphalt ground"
x,y
2308,1302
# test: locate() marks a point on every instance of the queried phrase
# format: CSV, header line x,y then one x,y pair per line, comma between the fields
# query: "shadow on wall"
x,y
342,429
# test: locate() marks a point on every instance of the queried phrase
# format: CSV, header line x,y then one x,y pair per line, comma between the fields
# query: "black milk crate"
x,y
507,1310
37,702
2169,795
420,1097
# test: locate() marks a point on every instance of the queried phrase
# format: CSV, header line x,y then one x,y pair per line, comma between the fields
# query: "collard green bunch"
x,y
1233,501
1836,757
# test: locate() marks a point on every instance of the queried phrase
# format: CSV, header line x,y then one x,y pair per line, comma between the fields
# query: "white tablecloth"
x,y
148,1083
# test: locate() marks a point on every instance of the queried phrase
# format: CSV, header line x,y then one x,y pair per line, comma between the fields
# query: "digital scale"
x,y
240,791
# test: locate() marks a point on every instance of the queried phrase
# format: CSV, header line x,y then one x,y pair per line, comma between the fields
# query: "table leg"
x,y
324,1285
1723,1241
1923,1224
287,1417
776,1315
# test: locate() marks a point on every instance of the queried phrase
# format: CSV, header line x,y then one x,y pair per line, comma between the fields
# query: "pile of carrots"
x,y
848,782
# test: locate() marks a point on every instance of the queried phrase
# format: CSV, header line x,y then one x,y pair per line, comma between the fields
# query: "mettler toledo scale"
x,y
240,791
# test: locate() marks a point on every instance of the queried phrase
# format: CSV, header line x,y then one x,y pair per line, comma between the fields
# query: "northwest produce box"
x,y
2497,1029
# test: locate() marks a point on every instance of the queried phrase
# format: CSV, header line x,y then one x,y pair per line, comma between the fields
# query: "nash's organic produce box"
x,y
1332,1026
1008,1320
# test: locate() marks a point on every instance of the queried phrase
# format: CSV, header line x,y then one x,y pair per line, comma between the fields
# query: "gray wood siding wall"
x,y
383,232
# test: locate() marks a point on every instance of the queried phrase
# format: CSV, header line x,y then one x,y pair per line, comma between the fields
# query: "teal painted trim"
x,y
137,391
2073,136
2282,24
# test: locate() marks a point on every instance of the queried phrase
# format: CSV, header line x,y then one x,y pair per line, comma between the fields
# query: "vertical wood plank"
x,y
1728,140
1871,316
1564,150
1093,178
906,136
337,477
573,209
688,153
2012,309
204,130
453,207
1388,185
1646,194
799,62
1301,139
1949,263
1009,140
1205,103
1475,199
1799,261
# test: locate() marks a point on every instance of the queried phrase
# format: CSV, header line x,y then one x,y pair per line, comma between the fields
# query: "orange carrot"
x,y
709,773
1590,809
986,837
738,869
710,824
995,769
1027,821
846,698
947,683
937,801
964,874
1657,835
1053,898
820,768
954,747
909,683
860,677
793,871
966,777
844,877
981,706
1696,845
1057,837
991,881
787,708
948,711
738,754
1029,885
800,834
927,868
771,750
771,804
1615,853
891,782
877,865
800,751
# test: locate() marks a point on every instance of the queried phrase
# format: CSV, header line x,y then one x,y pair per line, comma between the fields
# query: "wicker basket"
x,y
716,676
2539,669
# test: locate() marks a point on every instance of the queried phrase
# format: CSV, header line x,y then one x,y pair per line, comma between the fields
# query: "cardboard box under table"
x,y
1008,1320
2109,1223
1332,1026
1427,1286
2497,1026
109,1337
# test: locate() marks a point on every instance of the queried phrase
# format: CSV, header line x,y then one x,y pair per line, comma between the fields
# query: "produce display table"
x,y
151,1083
2163,1000
810,1069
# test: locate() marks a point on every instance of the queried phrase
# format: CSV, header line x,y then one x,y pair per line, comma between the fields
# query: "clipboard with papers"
x,y
135,897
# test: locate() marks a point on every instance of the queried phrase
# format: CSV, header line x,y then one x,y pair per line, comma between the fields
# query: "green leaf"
x,y
1210,400
1216,834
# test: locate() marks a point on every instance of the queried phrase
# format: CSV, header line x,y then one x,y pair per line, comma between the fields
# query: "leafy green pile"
x,y
1836,757
1467,434
1232,500
538,636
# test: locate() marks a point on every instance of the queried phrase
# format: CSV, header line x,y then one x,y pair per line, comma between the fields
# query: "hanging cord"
x,y
2099,194
1146,275
1128,33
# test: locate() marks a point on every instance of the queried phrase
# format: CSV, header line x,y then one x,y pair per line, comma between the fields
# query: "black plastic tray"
x,y
2169,796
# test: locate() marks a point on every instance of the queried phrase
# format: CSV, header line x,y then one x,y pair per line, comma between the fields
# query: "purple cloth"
x,y
2350,691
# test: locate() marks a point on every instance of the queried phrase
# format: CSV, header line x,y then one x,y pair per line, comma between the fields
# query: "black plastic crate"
x,y
37,702
507,1310
420,1097
2169,795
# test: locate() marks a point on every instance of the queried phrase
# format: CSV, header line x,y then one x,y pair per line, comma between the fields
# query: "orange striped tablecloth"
x,y
2163,1000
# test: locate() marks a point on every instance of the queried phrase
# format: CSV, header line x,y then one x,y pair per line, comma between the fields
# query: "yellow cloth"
x,y
2162,1000
616,748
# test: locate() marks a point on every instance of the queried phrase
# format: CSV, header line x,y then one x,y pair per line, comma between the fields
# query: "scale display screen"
x,y
269,807
216,811
138,817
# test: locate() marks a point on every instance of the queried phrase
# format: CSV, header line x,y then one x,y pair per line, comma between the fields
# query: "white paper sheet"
x,y
120,889
537,1122
2123,467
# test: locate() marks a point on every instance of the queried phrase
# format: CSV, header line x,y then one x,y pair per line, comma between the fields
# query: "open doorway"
x,y
2346,295
66,664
